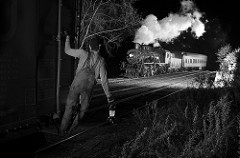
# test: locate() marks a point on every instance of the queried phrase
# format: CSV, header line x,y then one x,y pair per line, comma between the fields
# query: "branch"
x,y
109,39
84,16
85,36
107,31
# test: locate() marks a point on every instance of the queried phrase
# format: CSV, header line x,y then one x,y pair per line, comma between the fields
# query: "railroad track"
x,y
129,94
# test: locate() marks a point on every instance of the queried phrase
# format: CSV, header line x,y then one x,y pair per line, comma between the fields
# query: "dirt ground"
x,y
106,141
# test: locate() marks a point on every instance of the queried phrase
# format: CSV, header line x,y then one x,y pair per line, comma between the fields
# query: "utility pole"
x,y
58,57
77,27
77,23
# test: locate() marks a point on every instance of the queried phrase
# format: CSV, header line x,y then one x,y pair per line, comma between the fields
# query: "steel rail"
x,y
143,81
119,80
138,95
146,92
127,80
105,122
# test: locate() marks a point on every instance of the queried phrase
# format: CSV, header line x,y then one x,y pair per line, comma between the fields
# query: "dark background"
x,y
221,20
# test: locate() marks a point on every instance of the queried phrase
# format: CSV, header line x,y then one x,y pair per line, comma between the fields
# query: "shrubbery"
x,y
183,129
200,122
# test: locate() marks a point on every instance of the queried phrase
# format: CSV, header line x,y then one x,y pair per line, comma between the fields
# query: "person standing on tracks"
x,y
83,83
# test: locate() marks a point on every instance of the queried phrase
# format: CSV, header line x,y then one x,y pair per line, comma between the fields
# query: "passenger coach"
x,y
194,60
147,61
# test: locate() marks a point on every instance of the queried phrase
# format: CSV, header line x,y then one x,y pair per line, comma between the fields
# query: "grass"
x,y
191,124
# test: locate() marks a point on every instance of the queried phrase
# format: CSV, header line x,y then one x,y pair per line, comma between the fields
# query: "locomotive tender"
x,y
145,60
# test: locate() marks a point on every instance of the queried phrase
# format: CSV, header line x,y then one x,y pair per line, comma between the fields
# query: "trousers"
x,y
80,92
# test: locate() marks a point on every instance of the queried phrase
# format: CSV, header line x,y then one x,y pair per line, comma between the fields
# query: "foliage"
x,y
108,20
203,81
177,132
227,58
227,67
222,52
236,80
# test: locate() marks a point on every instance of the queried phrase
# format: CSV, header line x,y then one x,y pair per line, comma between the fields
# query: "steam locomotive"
x,y
145,61
35,73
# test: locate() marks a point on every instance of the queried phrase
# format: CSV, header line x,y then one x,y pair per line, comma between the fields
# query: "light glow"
x,y
166,30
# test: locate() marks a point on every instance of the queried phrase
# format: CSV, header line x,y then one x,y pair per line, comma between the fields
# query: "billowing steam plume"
x,y
172,26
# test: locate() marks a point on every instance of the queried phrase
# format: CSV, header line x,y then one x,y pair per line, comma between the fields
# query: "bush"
x,y
181,132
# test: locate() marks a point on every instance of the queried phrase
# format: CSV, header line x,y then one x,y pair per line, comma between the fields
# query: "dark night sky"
x,y
222,26
225,12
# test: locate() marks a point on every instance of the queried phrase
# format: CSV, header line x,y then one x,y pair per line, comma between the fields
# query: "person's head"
x,y
94,45
94,48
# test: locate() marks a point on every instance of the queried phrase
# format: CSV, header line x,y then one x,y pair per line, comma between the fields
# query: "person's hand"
x,y
110,99
67,37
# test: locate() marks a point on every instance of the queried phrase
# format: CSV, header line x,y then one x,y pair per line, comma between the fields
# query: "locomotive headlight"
x,y
130,55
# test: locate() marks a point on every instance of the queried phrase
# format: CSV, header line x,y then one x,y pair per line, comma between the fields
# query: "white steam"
x,y
172,26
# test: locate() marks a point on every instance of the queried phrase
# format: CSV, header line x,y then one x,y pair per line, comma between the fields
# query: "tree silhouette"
x,y
110,21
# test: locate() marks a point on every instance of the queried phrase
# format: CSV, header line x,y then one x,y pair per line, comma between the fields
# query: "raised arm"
x,y
72,52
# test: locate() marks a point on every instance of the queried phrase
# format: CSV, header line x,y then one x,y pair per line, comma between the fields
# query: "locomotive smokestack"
x,y
137,46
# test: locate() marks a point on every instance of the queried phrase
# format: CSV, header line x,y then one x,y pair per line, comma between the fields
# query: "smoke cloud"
x,y
166,30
